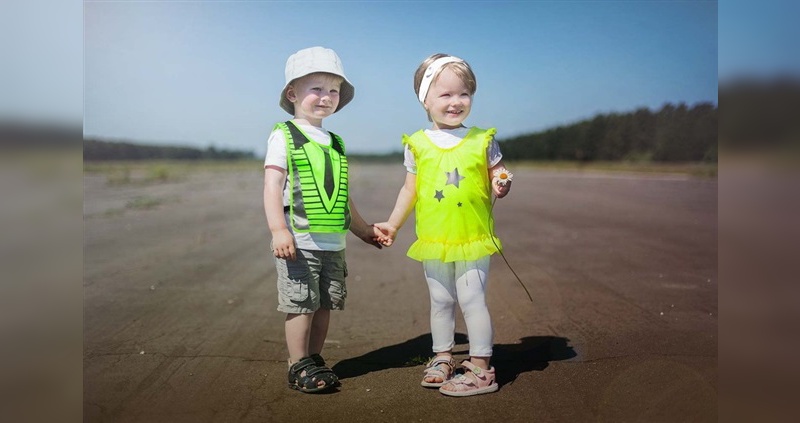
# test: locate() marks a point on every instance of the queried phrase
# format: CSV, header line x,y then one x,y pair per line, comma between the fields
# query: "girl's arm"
x,y
406,200
282,239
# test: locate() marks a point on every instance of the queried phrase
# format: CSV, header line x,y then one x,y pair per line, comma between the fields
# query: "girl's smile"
x,y
449,101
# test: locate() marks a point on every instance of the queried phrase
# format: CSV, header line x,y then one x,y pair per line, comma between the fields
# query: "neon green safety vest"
x,y
318,198
453,210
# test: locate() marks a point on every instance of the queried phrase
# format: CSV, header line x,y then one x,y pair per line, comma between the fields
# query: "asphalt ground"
x,y
180,322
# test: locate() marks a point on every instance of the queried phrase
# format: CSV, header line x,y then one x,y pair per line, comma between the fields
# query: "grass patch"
x,y
173,166
697,169
416,361
147,172
113,212
143,203
120,176
159,173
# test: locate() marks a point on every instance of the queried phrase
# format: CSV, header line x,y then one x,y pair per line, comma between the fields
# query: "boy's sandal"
x,y
320,362
475,381
435,368
310,381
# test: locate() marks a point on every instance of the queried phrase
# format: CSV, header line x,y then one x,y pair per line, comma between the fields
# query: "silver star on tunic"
x,y
439,195
453,177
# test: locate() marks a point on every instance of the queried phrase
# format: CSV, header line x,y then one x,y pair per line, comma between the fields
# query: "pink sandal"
x,y
435,369
481,381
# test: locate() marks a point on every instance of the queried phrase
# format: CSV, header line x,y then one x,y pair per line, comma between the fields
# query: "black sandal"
x,y
320,362
313,375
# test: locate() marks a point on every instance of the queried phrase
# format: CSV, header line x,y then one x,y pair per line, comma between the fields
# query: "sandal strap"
x,y
318,360
434,368
441,360
302,364
310,366
475,370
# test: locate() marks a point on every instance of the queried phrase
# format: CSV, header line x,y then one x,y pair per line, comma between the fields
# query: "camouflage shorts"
x,y
316,279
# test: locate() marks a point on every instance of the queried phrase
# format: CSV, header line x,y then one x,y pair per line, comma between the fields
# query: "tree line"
x,y
673,133
759,113
107,150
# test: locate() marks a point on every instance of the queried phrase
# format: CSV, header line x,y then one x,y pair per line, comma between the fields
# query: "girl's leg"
x,y
471,282
441,285
479,378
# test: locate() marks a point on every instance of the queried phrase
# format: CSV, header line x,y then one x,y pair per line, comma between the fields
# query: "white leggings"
x,y
463,282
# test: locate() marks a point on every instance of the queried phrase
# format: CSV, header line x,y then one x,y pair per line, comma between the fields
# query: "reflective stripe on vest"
x,y
318,176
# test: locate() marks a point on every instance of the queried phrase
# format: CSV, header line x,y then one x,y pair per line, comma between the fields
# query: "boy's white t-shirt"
x,y
447,138
276,156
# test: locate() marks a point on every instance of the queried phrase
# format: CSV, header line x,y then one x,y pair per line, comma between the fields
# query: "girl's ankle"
x,y
483,363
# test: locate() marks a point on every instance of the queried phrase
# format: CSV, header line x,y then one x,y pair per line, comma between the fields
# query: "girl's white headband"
x,y
431,72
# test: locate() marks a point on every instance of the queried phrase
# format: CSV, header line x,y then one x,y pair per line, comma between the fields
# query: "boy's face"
x,y
449,101
315,96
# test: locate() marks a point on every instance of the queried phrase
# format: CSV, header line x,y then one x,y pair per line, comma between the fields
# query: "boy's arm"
x,y
360,228
406,199
282,239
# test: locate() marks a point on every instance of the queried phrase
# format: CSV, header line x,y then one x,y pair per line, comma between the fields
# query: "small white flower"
x,y
503,176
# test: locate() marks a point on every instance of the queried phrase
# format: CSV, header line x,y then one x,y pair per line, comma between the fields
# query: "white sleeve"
x,y
493,153
408,160
276,150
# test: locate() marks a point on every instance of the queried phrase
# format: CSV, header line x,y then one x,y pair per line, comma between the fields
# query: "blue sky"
x,y
210,72
758,38
202,73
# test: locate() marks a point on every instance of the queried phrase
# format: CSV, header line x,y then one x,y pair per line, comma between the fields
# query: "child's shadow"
x,y
511,360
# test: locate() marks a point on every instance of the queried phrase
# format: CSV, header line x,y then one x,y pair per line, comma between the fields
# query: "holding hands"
x,y
385,233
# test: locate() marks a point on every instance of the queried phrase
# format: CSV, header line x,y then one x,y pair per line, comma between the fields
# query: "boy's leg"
x,y
332,295
298,297
318,331
298,332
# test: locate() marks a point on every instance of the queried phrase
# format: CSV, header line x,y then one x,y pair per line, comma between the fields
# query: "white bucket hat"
x,y
315,59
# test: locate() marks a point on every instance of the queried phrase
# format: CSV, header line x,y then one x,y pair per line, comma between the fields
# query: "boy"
x,y
309,211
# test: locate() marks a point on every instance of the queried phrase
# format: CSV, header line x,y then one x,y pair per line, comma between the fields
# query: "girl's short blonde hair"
x,y
461,69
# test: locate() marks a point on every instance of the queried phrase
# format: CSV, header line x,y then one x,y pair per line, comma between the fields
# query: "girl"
x,y
450,182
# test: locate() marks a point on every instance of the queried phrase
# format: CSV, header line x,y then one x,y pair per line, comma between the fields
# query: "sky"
x,y
210,73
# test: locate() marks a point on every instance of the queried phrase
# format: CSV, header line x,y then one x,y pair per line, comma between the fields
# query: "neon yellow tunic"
x,y
453,211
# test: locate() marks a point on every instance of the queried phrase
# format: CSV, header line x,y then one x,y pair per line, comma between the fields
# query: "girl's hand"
x,y
501,180
385,233
500,191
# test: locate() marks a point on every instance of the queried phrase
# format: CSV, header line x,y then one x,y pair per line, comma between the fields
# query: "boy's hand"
x,y
283,245
368,235
385,233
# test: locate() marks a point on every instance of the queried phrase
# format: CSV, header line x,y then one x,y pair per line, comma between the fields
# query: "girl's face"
x,y
449,101
315,96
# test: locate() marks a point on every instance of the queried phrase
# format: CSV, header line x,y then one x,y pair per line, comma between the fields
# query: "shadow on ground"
x,y
511,360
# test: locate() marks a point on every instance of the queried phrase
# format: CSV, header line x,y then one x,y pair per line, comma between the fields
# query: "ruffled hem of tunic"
x,y
449,252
